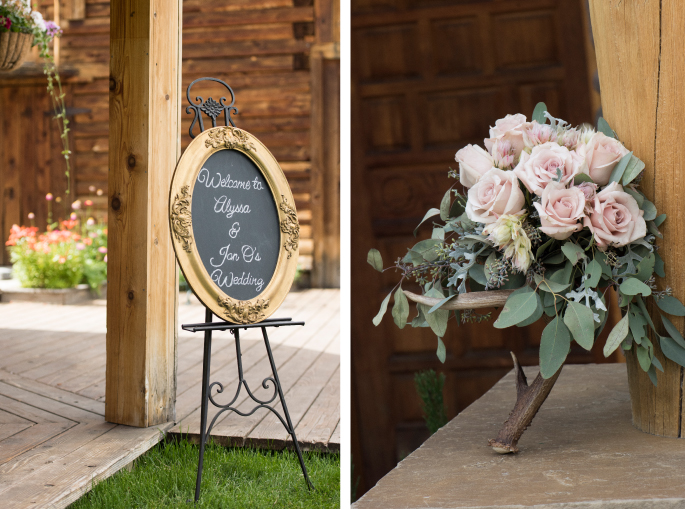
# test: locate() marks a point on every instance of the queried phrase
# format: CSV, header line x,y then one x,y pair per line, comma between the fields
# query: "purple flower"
x,y
52,29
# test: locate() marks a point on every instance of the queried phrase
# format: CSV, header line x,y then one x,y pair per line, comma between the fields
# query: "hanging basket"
x,y
14,47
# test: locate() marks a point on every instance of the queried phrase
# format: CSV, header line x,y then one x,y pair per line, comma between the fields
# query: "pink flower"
x,y
73,216
99,192
90,221
105,258
88,203
495,194
102,249
509,128
52,29
616,218
76,205
536,134
474,162
5,22
589,191
601,155
48,196
80,246
503,154
62,259
32,215
561,210
543,165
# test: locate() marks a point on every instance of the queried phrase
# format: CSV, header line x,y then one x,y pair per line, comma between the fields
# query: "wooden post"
x,y
325,145
639,48
144,141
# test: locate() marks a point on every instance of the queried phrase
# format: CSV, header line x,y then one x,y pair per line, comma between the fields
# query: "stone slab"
x,y
581,451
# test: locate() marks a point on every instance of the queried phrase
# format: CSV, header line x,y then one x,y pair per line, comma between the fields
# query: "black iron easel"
x,y
213,109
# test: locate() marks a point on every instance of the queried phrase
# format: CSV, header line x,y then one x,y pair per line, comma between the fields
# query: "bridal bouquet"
x,y
554,213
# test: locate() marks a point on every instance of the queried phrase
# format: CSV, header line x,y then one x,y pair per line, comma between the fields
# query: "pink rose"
x,y
616,218
509,128
540,167
474,162
560,210
602,154
495,194
537,134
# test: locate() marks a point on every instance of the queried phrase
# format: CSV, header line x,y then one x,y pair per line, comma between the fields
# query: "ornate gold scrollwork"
x,y
181,218
229,137
290,226
243,311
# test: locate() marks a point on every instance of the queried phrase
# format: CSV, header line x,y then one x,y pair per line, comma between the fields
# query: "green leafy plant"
x,y
429,386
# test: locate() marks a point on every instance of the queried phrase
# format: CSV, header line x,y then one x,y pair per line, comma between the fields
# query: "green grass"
x,y
232,478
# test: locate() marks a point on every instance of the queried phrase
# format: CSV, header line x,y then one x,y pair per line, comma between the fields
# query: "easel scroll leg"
x,y
205,402
291,430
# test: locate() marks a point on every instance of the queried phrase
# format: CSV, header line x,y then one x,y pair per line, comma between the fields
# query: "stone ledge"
x,y
580,452
12,291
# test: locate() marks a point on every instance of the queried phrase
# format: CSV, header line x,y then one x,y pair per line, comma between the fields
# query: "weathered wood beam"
x,y
641,72
144,136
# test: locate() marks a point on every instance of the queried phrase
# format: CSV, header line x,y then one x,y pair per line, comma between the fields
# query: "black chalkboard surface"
x,y
235,224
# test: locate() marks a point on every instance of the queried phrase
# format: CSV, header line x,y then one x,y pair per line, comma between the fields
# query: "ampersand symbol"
x,y
233,232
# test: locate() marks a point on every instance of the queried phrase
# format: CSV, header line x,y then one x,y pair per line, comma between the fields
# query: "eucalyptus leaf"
x,y
539,113
657,363
562,276
578,318
632,286
420,319
659,265
671,305
429,214
606,270
672,350
634,168
537,314
594,271
442,303
543,248
652,375
438,234
400,311
654,230
554,258
477,273
658,220
603,127
650,210
519,306
573,252
445,205
637,324
384,307
639,197
442,351
644,357
457,208
616,336
620,168
582,177
437,320
673,331
554,347
547,285
645,268
645,313
375,260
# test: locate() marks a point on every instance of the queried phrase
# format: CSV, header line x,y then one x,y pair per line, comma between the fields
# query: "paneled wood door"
x,y
429,77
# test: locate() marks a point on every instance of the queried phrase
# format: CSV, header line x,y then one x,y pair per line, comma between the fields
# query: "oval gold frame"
x,y
180,217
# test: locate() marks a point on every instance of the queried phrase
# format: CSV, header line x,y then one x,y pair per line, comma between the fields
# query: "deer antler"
x,y
529,398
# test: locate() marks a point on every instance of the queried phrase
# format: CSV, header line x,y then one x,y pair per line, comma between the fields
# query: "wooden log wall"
x,y
259,47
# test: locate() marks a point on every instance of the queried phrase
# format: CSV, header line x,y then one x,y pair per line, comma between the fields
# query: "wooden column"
x,y
144,146
639,48
325,145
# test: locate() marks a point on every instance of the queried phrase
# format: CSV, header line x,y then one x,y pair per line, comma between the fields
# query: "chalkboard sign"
x,y
234,225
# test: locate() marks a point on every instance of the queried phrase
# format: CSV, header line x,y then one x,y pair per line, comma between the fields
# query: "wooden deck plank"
x,y
8,418
29,438
299,399
319,422
64,482
29,412
66,397
47,404
335,438
9,429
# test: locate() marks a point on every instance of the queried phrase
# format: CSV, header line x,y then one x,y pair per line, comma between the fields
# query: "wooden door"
x,y
429,77
31,164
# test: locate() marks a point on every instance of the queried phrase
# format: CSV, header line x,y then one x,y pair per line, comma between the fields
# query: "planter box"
x,y
11,291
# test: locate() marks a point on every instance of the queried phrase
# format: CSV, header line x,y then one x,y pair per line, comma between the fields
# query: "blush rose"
x,y
540,167
474,162
616,218
601,154
495,194
509,128
561,210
